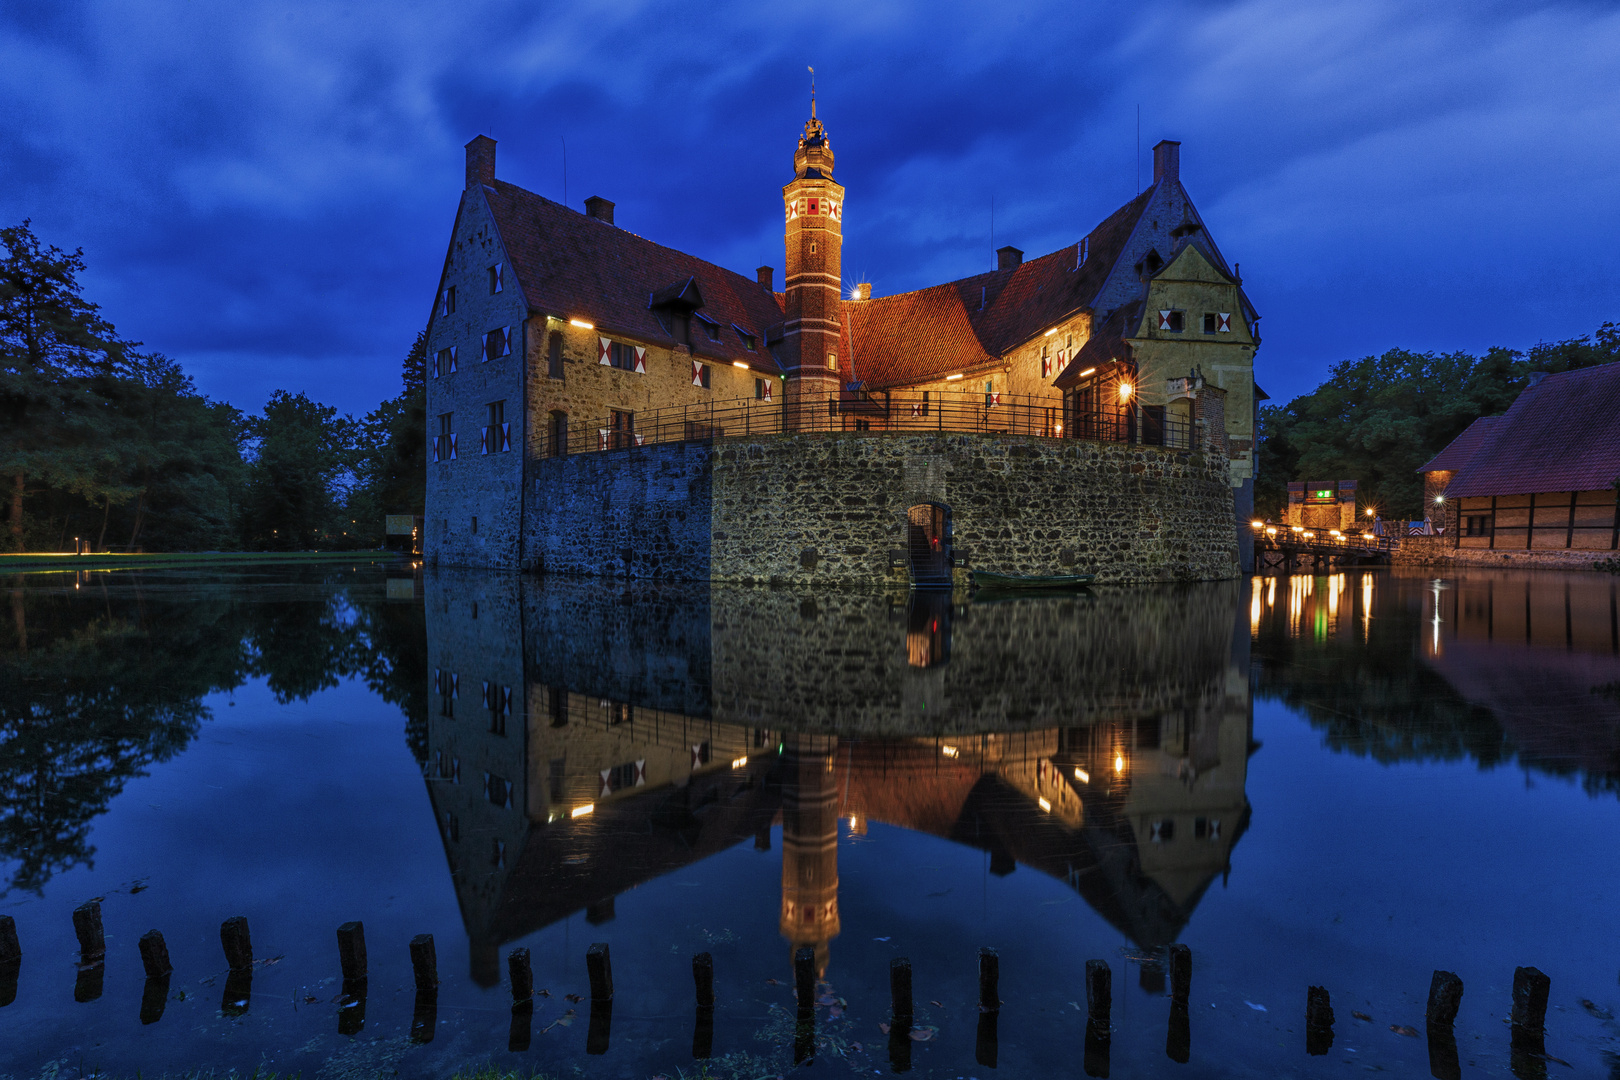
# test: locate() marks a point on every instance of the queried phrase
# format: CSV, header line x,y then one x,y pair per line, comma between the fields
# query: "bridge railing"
x,y
975,413
1276,535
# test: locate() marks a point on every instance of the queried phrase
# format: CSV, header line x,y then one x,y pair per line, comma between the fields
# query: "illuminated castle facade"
x,y
556,334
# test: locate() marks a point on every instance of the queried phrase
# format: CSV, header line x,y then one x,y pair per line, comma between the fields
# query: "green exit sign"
x,y
1324,494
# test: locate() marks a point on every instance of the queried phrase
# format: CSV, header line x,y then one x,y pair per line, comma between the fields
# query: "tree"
x,y
52,342
302,464
392,471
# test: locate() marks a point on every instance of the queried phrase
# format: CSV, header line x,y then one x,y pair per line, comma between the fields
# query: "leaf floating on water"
x,y
1362,1016
267,961
564,1020
1256,1008
883,1028
311,999
774,982
1597,1011
1402,1029
923,1034
543,993
937,1004
575,998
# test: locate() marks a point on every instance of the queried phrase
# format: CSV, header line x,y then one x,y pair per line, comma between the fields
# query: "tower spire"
x,y
812,93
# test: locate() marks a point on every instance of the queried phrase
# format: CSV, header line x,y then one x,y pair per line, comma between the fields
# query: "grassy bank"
x,y
113,561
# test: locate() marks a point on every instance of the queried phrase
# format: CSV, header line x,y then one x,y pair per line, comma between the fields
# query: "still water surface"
x,y
1346,781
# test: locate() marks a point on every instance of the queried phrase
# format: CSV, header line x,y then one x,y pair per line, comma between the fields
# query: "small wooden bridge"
x,y
1289,548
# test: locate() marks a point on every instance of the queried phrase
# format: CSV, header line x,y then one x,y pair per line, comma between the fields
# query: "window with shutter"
x,y
447,300
700,374
1223,322
498,343
495,278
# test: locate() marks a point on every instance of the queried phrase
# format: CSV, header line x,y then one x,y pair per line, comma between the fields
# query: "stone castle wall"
x,y
1438,552
831,507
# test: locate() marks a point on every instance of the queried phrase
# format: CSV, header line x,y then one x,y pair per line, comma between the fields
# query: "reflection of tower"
x,y
810,843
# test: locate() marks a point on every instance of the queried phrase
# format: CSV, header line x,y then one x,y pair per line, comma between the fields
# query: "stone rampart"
x,y
823,508
1437,552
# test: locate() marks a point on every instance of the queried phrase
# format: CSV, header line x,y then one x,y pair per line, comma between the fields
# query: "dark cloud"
x,y
264,191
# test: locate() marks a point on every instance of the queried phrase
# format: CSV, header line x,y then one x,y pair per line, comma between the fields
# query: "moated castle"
x,y
602,405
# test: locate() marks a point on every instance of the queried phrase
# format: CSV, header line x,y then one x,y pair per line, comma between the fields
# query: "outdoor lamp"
x,y
1257,524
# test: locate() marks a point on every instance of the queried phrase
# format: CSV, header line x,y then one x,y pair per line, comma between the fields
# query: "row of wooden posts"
x,y
1528,1019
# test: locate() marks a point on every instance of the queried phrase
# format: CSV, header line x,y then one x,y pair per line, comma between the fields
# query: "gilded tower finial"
x,y
812,93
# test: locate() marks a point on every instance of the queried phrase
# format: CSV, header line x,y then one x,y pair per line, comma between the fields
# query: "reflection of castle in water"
x,y
583,742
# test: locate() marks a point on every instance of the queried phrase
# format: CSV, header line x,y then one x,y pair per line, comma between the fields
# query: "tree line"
x,y
113,445
1379,419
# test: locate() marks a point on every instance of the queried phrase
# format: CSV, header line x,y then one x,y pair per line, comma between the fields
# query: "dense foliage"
x,y
1377,420
103,443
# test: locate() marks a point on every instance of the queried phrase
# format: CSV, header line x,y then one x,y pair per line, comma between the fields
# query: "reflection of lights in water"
x,y
1271,593
1119,763
1254,606
949,751
1082,776
1335,583
581,811
740,762
1366,606
1434,623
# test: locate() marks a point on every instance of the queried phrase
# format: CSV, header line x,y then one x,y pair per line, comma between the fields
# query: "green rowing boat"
x,y
983,579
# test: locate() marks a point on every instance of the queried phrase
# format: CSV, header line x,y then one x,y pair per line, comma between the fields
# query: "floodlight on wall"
x,y
1125,389
582,324
953,378
739,363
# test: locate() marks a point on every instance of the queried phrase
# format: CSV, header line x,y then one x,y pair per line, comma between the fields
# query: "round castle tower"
x,y
814,208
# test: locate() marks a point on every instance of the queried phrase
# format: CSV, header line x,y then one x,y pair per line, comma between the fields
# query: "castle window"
x,y
475,533
1171,320
747,339
832,361
700,374
762,390
812,247
495,278
710,328
1209,322
444,444
498,343
497,433
445,362
622,356
1477,525
554,360
447,300
623,431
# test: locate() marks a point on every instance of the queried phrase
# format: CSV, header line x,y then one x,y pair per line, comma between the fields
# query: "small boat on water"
x,y
984,579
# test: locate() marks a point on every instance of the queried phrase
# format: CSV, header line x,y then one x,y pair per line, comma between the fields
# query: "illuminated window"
x,y
832,360
748,340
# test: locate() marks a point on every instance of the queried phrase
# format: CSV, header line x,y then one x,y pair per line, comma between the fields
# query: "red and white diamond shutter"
x,y
506,445
1164,319
767,390
697,373
602,438
1223,322
605,354
641,360
452,446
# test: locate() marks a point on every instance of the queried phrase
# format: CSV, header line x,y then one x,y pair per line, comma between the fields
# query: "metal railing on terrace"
x,y
976,414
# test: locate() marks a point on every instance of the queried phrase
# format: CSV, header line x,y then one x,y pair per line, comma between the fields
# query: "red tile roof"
x,y
575,266
1560,435
934,332
1462,448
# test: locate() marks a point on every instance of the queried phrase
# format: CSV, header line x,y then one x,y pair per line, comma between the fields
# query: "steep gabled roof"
x,y
575,266
1562,434
938,331
1459,450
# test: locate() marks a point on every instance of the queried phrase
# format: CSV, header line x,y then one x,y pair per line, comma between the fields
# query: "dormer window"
x,y
495,278
710,328
748,341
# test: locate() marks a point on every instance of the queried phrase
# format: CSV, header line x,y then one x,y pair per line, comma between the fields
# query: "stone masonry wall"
x,y
1438,552
831,507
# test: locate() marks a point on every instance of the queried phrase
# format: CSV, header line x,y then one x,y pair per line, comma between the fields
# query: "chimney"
x,y
1535,378
764,275
1167,161
481,162
599,208
863,291
1008,257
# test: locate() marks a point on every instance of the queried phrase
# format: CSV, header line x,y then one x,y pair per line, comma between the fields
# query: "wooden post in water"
x,y
155,955
703,979
10,960
989,979
87,926
1099,1009
351,938
1318,1021
599,966
1445,996
1529,1019
804,981
1178,1043
900,988
424,962
520,973
233,935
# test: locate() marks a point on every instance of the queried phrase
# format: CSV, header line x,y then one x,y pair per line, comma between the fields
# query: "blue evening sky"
x,y
264,191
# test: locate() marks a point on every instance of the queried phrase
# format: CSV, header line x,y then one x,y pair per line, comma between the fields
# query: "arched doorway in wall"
x,y
928,544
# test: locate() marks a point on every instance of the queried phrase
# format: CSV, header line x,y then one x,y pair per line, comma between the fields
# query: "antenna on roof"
x,y
812,92
992,229
565,170
1139,149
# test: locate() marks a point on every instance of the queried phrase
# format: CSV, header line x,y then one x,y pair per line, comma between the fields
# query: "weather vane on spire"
x,y
812,93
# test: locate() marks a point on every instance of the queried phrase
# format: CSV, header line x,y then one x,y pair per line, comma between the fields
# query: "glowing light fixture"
x,y
1125,389
1439,498
581,811
1082,776
1257,524
740,762
1050,332
1366,536
582,324
739,363
953,378
1088,371
1044,804
949,751
1271,530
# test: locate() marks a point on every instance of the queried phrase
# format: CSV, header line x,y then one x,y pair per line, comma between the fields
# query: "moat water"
x,y
1346,781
